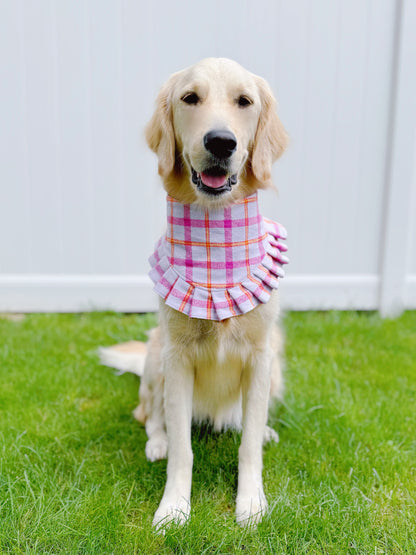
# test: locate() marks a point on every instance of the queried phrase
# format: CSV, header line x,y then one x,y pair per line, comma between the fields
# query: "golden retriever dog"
x,y
216,134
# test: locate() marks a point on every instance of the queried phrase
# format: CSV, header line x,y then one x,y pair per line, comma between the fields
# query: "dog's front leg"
x,y
251,501
179,382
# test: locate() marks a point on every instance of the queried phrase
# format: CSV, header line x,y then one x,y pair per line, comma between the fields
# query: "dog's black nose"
x,y
220,142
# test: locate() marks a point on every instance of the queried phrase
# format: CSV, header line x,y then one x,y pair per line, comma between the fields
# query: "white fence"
x,y
80,202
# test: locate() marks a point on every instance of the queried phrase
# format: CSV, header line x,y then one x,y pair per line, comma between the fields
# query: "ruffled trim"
x,y
220,304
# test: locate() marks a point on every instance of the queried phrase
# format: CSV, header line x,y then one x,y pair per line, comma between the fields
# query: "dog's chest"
x,y
220,353
218,379
216,347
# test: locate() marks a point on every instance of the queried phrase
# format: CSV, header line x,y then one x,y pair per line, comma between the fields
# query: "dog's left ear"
x,y
271,139
159,131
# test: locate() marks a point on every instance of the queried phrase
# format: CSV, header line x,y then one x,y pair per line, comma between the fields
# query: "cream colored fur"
x,y
225,372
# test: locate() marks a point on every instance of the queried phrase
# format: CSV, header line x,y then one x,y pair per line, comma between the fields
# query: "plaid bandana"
x,y
215,264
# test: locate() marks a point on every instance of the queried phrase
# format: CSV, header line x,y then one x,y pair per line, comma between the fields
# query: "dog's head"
x,y
216,133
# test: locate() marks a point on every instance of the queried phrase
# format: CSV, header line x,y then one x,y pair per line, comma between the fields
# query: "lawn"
x,y
74,477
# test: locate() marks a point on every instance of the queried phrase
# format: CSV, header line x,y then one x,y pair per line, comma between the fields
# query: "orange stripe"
x,y
186,298
248,294
202,244
209,306
257,282
252,278
230,303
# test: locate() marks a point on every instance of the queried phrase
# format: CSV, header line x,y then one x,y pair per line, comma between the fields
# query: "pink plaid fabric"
x,y
215,264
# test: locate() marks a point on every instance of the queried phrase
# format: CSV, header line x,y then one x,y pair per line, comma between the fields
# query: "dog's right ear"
x,y
159,131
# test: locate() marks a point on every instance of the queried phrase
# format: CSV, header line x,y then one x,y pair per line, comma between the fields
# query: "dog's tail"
x,y
125,357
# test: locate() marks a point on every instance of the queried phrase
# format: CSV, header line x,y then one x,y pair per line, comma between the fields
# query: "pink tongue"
x,y
213,181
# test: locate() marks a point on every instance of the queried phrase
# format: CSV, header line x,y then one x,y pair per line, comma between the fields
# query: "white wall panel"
x,y
80,200
410,292
394,294
14,184
335,100
74,137
412,231
38,38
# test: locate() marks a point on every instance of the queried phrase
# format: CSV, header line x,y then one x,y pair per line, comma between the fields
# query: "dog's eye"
x,y
244,101
190,98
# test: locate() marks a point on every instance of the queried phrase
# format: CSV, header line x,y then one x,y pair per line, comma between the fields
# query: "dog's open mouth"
x,y
214,180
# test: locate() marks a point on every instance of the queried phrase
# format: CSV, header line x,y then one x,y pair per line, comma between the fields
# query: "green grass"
x,y
74,477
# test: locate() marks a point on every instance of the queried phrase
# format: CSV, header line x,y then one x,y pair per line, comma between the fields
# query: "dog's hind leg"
x,y
278,363
276,378
151,410
157,443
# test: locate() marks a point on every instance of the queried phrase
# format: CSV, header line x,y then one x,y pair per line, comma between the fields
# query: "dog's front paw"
x,y
251,508
171,511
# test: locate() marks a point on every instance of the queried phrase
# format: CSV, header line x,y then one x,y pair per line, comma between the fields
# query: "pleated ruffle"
x,y
221,303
